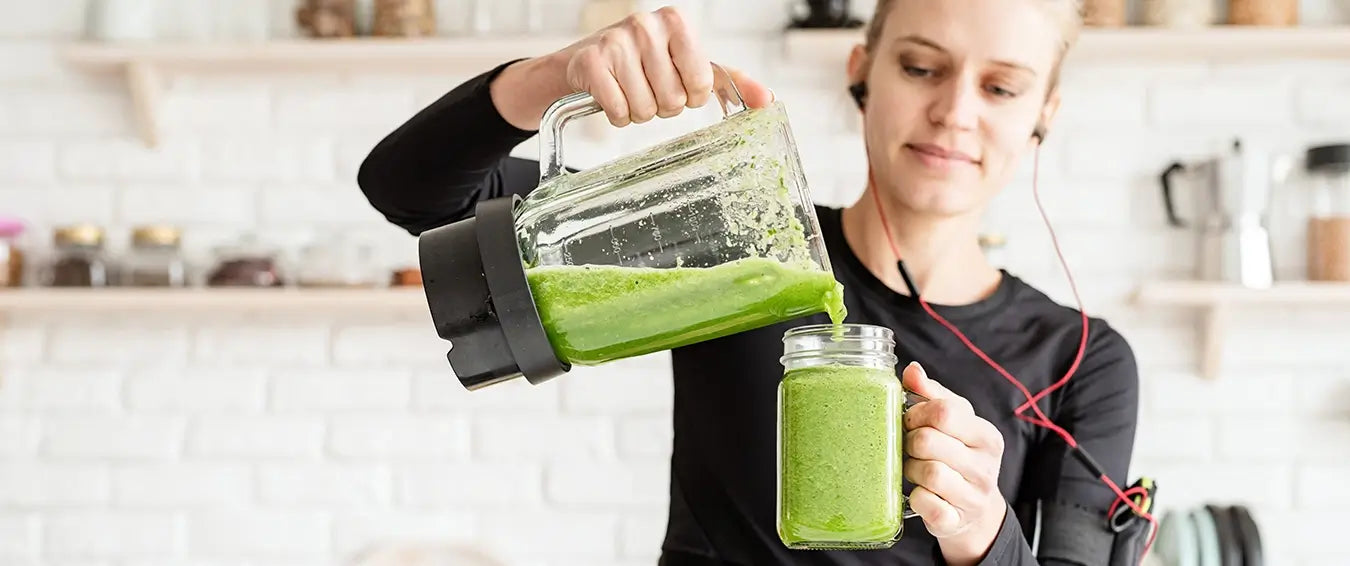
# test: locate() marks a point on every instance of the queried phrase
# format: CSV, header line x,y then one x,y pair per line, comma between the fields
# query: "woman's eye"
x,y
917,72
1000,91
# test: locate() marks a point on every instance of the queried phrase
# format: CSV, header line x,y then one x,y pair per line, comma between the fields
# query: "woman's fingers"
x,y
943,481
692,66
956,418
938,515
590,71
928,443
649,64
654,45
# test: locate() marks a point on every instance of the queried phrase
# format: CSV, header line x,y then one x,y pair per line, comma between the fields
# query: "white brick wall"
x,y
222,439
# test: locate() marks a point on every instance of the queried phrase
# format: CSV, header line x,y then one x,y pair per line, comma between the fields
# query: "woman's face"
x,y
955,90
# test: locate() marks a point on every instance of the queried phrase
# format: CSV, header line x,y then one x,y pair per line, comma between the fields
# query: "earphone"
x,y
859,92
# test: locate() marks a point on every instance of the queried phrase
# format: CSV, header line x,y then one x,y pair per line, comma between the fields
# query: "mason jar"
x,y
841,439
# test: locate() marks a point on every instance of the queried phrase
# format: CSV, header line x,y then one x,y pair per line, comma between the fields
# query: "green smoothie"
x,y
841,436
594,314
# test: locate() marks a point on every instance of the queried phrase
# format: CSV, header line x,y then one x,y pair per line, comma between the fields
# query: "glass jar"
x,y
1181,14
1263,12
404,18
327,18
703,236
79,260
246,263
154,259
337,264
11,256
840,439
1104,13
1328,177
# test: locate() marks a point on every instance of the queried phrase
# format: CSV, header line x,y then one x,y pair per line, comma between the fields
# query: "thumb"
x,y
916,380
756,95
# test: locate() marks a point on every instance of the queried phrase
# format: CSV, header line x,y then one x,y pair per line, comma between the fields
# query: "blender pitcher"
x,y
702,236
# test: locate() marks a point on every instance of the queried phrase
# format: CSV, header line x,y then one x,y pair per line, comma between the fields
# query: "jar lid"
x,y
78,235
156,235
1329,158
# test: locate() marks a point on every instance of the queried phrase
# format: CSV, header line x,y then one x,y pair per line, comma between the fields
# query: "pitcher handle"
x,y
582,104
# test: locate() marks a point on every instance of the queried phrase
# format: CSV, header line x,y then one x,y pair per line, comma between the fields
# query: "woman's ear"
x,y
1047,118
858,65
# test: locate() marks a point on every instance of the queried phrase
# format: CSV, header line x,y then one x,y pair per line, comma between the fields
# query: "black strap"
x,y
1074,535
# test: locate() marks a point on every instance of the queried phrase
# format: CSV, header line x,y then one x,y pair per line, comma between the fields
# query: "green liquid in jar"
x,y
841,435
594,314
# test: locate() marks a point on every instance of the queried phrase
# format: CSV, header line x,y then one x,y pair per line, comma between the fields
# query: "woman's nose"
x,y
957,104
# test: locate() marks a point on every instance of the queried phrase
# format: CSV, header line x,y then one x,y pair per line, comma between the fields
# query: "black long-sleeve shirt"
x,y
435,167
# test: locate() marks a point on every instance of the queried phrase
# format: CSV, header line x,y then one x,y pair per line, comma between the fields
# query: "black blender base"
x,y
480,300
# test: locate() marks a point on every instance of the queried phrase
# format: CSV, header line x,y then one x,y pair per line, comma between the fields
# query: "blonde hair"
x,y
1067,14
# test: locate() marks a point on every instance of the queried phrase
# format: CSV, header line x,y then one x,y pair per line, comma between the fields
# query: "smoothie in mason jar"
x,y
841,479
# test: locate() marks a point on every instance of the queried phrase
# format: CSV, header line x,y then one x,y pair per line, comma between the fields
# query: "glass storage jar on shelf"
x,y
339,263
840,439
78,259
1328,176
703,236
1180,14
1104,13
246,263
1276,13
154,259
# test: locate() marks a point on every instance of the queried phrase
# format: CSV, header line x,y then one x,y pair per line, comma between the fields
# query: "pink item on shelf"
x,y
10,227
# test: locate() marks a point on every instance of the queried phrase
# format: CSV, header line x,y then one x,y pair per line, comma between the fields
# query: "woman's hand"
x,y
647,65
954,463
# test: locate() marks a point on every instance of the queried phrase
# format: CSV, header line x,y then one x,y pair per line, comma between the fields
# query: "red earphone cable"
x,y
1032,400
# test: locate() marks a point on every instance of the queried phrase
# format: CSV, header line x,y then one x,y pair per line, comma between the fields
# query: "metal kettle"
x,y
1229,196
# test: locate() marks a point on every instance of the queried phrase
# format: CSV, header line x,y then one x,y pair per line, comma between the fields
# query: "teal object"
x,y
1207,537
1176,544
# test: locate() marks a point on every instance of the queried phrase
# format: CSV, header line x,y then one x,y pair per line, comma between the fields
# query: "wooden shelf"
x,y
145,64
1216,300
1135,44
402,299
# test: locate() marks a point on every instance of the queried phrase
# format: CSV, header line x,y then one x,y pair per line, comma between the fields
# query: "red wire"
x,y
1032,400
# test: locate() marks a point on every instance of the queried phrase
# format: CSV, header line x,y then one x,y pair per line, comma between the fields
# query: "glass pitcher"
x,y
840,439
705,235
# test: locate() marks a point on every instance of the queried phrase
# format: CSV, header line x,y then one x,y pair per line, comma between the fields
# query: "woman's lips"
x,y
938,157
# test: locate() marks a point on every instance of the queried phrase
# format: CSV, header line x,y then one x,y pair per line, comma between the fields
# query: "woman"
x,y
955,93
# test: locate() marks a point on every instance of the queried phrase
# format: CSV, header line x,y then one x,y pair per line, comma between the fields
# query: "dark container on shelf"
x,y
327,18
79,259
246,263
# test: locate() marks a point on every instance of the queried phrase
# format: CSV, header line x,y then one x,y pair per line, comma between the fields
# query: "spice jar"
x,y
1178,13
1263,12
154,259
11,257
79,260
246,263
1104,13
404,18
327,18
1328,174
